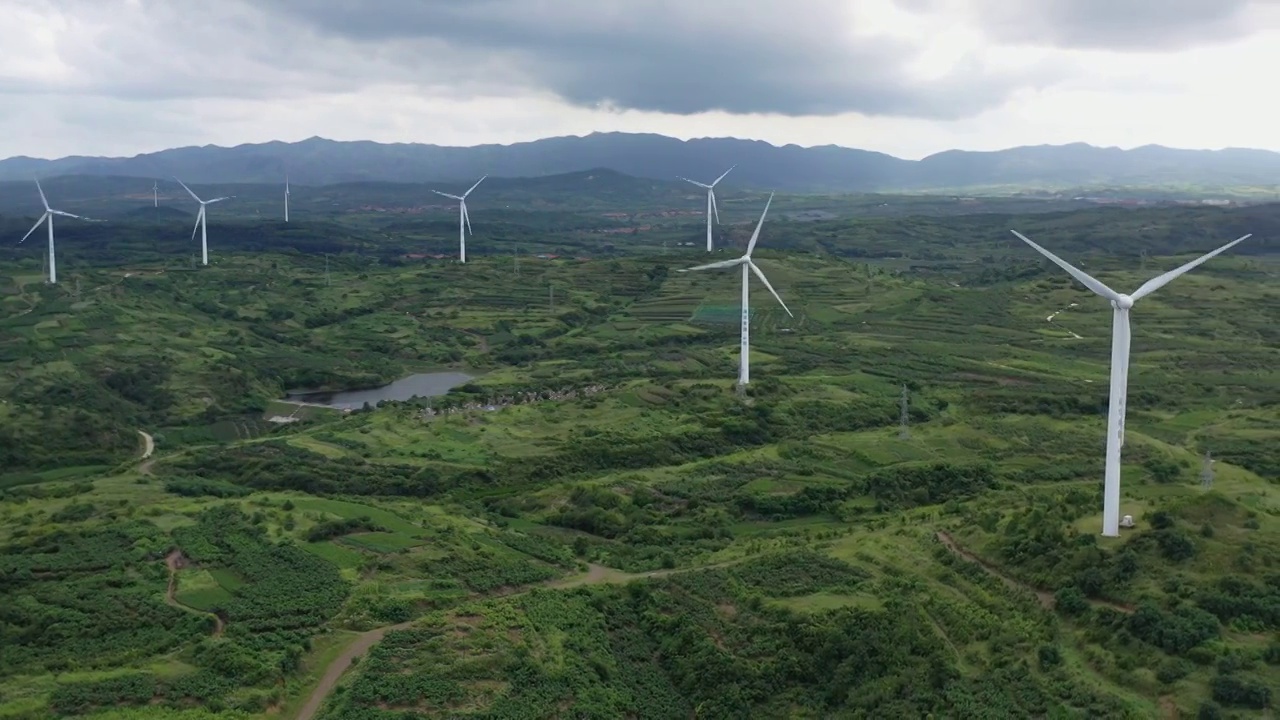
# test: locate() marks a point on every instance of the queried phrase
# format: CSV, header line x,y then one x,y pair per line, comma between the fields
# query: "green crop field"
x,y
598,523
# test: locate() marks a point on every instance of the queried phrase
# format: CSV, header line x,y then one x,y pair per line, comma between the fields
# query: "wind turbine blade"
x,y
1154,284
184,187
33,228
755,236
715,265
467,217
210,202
199,217
451,197
715,210
695,182
67,214
43,199
726,172
1080,275
473,187
760,274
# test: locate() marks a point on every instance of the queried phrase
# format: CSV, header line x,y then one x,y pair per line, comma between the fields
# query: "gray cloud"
x,y
1144,25
671,56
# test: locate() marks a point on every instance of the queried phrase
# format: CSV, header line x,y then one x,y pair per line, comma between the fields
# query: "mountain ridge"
x,y
760,165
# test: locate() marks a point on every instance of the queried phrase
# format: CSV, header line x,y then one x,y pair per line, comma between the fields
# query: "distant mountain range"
x,y
759,165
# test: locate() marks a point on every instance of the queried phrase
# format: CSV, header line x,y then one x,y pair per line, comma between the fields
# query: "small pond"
x,y
416,385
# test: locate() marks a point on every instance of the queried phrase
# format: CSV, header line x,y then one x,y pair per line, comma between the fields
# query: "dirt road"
x,y
148,448
1044,596
595,575
333,673
175,561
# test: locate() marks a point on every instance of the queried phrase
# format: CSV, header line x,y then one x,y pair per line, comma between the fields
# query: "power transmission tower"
x,y
904,415
1206,474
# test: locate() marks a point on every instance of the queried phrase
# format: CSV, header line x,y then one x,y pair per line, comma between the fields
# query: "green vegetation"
x,y
623,534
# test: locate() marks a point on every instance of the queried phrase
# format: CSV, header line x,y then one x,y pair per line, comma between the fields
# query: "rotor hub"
x,y
1124,302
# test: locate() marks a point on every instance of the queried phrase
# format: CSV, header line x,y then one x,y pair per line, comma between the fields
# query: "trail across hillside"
x,y
174,561
595,575
333,673
148,448
1044,596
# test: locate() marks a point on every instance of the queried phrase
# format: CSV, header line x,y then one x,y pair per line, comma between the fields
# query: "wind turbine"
x,y
48,215
744,343
155,195
286,198
1121,304
711,201
464,220
201,223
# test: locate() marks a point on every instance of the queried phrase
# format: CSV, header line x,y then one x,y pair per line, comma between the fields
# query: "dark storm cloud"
x,y
1145,25
662,55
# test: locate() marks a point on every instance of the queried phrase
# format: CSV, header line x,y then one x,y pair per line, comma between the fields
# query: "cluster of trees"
x,y
710,643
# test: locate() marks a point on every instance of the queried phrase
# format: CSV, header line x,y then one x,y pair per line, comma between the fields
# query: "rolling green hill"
x,y
597,524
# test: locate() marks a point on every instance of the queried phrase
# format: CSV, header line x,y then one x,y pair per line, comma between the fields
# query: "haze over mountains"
x,y
790,168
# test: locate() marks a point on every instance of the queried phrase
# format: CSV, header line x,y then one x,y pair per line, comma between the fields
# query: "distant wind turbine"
x,y
48,215
1120,365
744,343
712,210
201,223
286,198
464,220
155,195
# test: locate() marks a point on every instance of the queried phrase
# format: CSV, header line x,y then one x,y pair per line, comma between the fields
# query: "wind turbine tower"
x,y
201,223
155,195
48,216
286,198
1121,304
712,210
748,267
464,220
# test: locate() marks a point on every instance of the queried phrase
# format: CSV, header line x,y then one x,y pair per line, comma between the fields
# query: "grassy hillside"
x,y
622,534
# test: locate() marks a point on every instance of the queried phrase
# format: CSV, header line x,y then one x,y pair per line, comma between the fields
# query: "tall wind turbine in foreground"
x,y
1120,366
286,198
48,215
201,224
744,344
464,220
711,201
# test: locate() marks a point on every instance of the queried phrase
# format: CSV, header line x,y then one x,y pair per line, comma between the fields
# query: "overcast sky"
x,y
906,77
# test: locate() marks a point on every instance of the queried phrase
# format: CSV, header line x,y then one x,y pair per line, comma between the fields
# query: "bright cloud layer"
x,y
907,77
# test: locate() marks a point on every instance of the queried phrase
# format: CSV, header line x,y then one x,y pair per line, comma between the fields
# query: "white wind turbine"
x,y
712,210
1121,304
744,343
464,220
48,215
155,195
286,198
201,223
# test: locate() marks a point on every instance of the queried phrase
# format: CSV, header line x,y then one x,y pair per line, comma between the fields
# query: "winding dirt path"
x,y
595,575
333,673
148,448
174,561
1045,597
